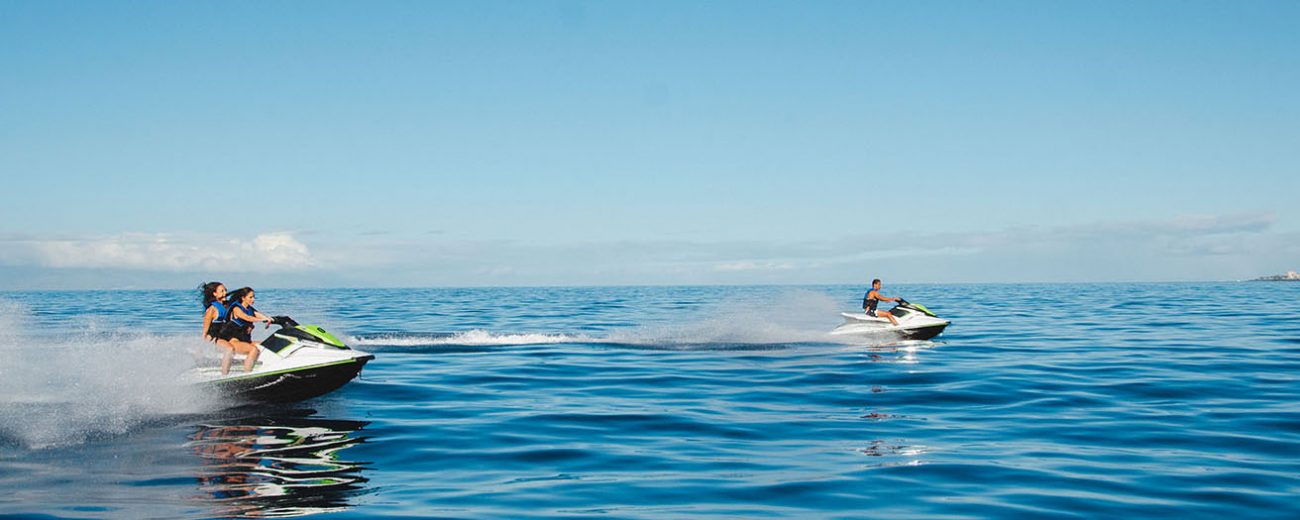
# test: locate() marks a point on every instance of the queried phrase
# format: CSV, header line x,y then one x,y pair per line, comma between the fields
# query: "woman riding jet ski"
x,y
907,320
230,324
295,362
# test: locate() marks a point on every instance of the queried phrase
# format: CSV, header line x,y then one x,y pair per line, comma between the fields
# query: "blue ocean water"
x,y
1041,400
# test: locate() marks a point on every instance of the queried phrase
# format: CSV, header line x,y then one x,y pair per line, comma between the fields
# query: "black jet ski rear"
x,y
291,385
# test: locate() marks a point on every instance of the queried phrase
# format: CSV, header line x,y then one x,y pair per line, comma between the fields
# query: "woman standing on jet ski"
x,y
238,329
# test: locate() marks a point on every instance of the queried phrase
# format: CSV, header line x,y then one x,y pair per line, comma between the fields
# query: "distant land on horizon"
x,y
1290,276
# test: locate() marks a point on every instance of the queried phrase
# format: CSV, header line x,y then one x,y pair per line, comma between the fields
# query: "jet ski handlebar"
x,y
283,321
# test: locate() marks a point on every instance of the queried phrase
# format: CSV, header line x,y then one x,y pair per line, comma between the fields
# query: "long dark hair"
x,y
236,295
207,293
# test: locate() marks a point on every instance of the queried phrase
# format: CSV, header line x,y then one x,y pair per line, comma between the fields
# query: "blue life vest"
x,y
868,302
237,321
221,311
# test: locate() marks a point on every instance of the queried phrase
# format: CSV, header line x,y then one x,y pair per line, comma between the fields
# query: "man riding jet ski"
x,y
908,320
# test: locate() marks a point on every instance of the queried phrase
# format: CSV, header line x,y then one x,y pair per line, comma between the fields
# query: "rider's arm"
x,y
878,297
239,313
208,316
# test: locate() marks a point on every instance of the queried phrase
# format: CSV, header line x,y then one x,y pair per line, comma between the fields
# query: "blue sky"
x,y
156,144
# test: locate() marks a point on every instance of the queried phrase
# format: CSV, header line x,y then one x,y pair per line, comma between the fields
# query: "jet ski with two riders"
x,y
294,363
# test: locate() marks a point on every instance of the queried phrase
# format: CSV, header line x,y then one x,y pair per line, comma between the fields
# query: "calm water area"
x,y
1041,400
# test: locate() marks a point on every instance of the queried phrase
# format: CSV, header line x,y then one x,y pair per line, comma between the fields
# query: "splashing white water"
x,y
57,391
797,316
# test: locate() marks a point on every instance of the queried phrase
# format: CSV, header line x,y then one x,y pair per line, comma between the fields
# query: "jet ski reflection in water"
x,y
906,320
296,362
277,466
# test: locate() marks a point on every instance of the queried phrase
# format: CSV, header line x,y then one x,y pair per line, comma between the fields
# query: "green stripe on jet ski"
x,y
320,334
923,309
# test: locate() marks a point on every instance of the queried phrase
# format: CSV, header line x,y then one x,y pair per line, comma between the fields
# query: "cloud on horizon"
x,y
1196,247
268,252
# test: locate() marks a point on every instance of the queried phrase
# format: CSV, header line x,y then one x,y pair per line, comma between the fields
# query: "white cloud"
x,y
1181,227
753,266
1178,248
1181,247
279,250
496,272
160,252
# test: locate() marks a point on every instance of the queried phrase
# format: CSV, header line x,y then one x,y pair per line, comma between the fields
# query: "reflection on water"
x,y
901,352
258,467
894,453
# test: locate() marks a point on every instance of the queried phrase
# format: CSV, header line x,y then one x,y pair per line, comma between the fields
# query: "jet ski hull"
x,y
290,384
917,332
925,332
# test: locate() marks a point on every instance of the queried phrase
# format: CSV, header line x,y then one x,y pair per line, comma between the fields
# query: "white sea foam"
x,y
796,317
476,337
57,391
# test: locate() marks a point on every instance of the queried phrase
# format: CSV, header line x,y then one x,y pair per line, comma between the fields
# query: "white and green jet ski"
x,y
296,362
914,322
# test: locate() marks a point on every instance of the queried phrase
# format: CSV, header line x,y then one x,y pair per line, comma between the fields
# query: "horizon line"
x,y
597,286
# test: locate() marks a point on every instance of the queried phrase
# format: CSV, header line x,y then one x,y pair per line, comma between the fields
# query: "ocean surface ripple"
x,y
1041,400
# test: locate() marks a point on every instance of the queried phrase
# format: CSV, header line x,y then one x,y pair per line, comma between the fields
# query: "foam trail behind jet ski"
x,y
472,338
797,316
63,391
